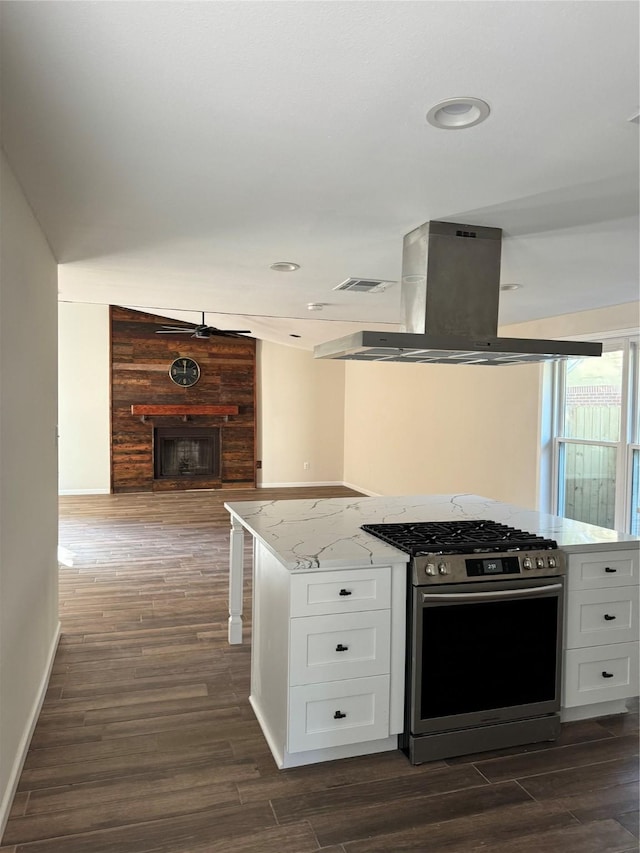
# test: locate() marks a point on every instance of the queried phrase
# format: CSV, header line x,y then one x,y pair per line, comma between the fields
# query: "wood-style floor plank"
x,y
593,837
549,760
350,824
478,831
310,806
577,781
147,743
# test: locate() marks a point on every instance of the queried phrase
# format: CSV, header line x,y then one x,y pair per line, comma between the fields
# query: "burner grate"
x,y
457,537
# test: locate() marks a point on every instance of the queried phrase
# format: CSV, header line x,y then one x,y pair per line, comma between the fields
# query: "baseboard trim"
x,y
84,491
367,492
25,741
319,483
299,485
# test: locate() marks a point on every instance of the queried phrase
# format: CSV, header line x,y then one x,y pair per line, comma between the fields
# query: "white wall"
x,y
300,417
28,477
84,409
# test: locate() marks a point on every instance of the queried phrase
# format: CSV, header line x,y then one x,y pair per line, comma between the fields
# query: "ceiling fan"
x,y
201,330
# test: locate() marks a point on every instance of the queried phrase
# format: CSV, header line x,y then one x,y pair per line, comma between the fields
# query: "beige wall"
x,y
84,416
616,318
450,429
300,416
28,477
440,429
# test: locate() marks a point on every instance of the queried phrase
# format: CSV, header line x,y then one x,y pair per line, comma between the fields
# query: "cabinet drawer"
x,y
337,713
320,593
349,645
603,569
600,616
600,674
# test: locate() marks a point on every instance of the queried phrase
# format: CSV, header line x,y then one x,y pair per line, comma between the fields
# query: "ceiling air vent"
x,y
364,285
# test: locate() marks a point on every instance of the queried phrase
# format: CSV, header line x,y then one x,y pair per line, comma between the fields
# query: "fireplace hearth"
x,y
186,452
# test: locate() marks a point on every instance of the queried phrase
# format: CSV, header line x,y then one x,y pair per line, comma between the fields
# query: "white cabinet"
x,y
601,674
602,629
344,645
327,677
599,569
599,616
319,593
338,712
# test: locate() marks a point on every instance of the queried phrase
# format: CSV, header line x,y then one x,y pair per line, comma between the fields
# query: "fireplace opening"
x,y
187,452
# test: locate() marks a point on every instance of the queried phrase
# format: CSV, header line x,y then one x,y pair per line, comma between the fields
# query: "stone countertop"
x,y
325,533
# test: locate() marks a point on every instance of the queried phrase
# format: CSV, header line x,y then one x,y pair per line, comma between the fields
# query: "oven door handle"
x,y
496,594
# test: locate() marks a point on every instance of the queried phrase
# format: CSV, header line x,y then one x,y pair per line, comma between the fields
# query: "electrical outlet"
x,y
306,466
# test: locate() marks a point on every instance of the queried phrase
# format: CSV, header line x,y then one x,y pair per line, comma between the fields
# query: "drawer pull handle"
x,y
341,648
607,675
608,617
339,715
345,592
610,570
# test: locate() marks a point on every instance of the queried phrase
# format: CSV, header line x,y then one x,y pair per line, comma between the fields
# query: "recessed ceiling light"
x,y
456,113
510,286
285,266
315,306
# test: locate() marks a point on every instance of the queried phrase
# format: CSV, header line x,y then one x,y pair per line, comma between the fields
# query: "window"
x,y
597,444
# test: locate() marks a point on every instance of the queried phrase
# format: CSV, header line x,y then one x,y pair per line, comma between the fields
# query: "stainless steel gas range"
x,y
484,636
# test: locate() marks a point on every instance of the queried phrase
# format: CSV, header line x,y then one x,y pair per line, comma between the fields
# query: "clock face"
x,y
184,371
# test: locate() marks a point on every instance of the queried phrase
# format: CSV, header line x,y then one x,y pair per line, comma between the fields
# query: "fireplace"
x,y
186,452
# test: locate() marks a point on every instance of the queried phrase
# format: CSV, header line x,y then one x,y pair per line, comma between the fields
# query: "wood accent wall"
x,y
140,361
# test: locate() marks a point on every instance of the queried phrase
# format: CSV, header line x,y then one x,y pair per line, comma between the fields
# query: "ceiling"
x,y
173,151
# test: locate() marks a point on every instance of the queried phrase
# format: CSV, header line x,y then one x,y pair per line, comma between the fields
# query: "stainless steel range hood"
x,y
449,298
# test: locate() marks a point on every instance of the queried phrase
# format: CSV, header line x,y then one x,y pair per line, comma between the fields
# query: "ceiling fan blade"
x,y
212,330
201,331
172,326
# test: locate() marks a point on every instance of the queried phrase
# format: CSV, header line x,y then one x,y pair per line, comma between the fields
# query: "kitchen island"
x,y
315,572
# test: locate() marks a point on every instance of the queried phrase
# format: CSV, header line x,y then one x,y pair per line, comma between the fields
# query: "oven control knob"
x,y
539,563
551,562
526,563
431,569
442,568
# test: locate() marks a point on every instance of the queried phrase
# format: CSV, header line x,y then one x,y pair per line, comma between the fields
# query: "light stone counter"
x,y
307,535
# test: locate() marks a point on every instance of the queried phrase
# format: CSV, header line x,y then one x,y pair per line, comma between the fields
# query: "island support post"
x,y
236,580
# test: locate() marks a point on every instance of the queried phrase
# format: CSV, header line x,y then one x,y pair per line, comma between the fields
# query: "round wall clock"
x,y
184,371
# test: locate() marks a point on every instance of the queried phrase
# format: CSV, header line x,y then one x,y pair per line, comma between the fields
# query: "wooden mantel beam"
x,y
182,411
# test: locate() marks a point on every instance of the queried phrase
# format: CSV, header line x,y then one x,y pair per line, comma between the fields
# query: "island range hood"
x,y
449,299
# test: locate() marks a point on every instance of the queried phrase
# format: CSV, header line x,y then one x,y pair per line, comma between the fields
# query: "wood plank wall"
x,y
140,361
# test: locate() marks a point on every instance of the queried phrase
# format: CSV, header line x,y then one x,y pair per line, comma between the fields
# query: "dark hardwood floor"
x,y
147,743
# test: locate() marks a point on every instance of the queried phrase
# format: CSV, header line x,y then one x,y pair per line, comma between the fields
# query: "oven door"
x,y
484,653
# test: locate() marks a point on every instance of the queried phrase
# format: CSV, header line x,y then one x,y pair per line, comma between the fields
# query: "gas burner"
x,y
458,537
